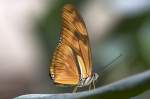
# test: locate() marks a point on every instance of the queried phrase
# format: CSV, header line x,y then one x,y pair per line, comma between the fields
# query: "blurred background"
x,y
29,33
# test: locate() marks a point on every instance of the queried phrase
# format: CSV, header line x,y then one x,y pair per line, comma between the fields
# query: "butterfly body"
x,y
87,81
71,63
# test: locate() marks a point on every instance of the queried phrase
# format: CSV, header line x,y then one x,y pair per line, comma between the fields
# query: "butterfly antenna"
x,y
106,67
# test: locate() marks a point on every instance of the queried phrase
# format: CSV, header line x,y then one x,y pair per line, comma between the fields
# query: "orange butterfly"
x,y
71,63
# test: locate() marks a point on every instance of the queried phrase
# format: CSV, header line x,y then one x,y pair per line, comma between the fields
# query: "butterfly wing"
x,y
74,27
63,69
73,51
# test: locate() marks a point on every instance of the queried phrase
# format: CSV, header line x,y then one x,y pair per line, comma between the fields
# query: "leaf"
x,y
123,89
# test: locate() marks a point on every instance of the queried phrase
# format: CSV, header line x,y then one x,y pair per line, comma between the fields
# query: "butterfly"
x,y
72,60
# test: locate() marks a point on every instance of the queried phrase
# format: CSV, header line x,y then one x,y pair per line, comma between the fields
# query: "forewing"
x,y
73,51
75,34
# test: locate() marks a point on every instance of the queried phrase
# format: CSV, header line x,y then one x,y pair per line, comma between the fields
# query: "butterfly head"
x,y
95,76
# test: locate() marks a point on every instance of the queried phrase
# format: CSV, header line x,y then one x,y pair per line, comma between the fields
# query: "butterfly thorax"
x,y
87,81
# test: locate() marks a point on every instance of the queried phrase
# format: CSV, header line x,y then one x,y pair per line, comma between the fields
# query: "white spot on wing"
x,y
82,66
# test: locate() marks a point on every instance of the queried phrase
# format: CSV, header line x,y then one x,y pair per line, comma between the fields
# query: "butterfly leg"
x,y
75,89
90,87
93,85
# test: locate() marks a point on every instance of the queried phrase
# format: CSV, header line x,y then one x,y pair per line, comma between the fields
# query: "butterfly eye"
x,y
95,76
